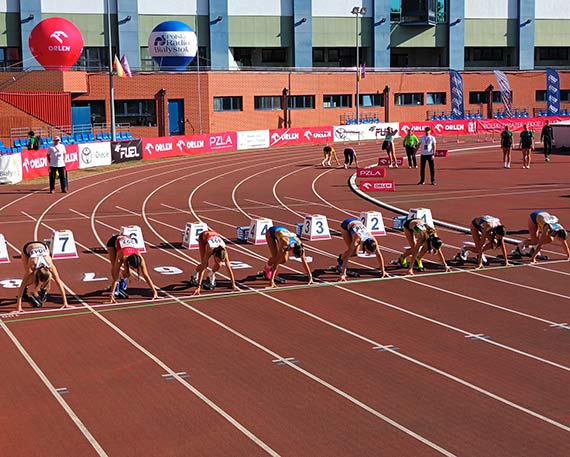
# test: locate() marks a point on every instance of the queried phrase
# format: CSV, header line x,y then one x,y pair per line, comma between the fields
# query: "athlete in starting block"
x,y
488,233
211,244
282,243
357,237
124,256
423,239
543,229
39,270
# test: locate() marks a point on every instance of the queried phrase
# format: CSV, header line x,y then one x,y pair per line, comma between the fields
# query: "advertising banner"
x,y
438,128
457,98
378,186
515,124
94,154
303,135
552,92
34,164
253,139
362,132
159,147
191,144
126,151
506,98
221,142
10,168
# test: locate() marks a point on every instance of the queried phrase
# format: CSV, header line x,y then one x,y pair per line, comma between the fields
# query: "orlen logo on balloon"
x,y
57,35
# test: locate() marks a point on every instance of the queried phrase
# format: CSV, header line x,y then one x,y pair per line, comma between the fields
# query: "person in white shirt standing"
x,y
427,149
56,159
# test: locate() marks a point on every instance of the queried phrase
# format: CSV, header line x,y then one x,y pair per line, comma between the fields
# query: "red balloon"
x,y
56,43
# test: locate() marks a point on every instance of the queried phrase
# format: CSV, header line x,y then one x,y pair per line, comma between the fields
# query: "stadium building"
x,y
283,63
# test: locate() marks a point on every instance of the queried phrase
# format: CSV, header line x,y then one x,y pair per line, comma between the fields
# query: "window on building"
x,y
135,112
301,102
565,95
97,107
228,104
418,11
551,53
486,54
274,55
409,99
540,96
94,59
476,98
267,103
10,58
435,98
367,100
337,101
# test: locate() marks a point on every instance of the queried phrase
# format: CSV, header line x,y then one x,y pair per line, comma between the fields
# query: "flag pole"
x,y
111,88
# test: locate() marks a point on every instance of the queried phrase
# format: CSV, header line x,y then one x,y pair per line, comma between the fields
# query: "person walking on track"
x,y
411,143
547,137
526,145
506,146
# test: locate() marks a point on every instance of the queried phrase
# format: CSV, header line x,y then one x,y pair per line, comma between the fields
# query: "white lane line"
x,y
445,374
170,371
79,424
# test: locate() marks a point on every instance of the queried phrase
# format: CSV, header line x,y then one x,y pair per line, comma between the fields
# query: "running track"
x,y
464,363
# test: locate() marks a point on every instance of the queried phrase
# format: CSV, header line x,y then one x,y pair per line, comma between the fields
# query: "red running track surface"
x,y
472,362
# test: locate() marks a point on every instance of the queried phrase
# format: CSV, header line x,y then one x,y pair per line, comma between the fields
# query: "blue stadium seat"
x,y
91,137
106,136
130,135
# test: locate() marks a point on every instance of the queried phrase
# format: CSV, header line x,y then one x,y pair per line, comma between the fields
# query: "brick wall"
x,y
248,84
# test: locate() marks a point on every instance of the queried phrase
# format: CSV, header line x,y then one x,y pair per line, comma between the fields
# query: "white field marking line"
x,y
551,270
449,376
294,366
133,213
422,364
516,284
95,184
175,374
305,203
494,343
452,377
51,388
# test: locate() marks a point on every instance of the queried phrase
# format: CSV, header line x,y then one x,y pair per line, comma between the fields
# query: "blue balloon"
x,y
173,45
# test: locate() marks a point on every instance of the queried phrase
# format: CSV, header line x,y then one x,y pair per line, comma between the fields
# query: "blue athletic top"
x,y
356,228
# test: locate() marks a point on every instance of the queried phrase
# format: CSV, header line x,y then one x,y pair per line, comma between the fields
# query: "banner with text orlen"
x,y
300,135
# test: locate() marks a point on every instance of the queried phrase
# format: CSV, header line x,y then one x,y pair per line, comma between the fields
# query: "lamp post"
x,y
111,88
357,11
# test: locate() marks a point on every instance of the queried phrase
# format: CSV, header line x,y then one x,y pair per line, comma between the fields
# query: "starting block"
x,y
242,232
62,245
315,228
373,221
4,258
384,161
135,233
257,230
191,234
421,213
398,222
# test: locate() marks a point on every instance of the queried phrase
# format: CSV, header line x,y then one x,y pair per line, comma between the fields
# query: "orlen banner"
x,y
363,131
56,43
305,135
126,151
10,168
253,139
94,154
35,163
440,128
157,148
